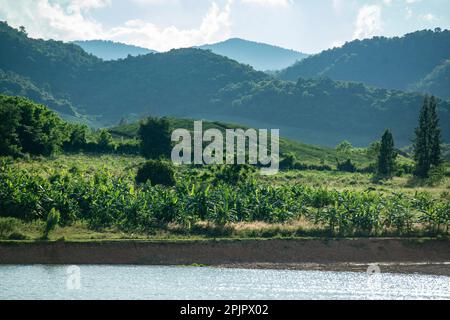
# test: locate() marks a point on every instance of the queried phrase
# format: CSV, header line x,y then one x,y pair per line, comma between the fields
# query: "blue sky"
x,y
305,25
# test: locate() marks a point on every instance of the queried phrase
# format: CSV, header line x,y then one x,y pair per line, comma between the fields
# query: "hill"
x,y
109,50
195,83
260,56
392,63
305,153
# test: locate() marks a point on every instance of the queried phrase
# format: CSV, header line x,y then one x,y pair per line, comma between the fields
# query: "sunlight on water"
x,y
145,282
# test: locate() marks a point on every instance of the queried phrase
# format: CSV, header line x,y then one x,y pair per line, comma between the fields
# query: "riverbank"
x,y
429,256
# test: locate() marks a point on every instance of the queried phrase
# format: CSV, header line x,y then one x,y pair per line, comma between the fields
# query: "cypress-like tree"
x,y
427,144
387,155
421,142
435,135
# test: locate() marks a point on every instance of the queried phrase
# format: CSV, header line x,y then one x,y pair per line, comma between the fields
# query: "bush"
x,y
347,166
233,174
53,219
436,175
7,227
157,172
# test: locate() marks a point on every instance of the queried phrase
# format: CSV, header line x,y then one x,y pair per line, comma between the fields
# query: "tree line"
x,y
427,145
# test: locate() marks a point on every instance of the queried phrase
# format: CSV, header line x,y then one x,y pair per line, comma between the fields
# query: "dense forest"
x,y
392,63
195,83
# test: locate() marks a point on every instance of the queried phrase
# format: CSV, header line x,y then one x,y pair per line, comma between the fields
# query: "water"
x,y
191,283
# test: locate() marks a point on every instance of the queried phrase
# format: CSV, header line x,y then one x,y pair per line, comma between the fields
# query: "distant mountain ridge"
x,y
109,50
261,56
393,63
195,83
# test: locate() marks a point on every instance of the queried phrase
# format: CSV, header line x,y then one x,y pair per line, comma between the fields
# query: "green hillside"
x,y
195,83
392,63
308,154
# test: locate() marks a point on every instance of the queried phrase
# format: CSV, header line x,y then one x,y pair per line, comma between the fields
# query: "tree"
x,y
427,144
435,135
105,141
373,151
78,137
156,172
155,138
344,148
9,140
387,155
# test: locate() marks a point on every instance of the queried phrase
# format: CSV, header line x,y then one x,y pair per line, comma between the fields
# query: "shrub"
x,y
157,172
7,227
233,174
52,221
347,166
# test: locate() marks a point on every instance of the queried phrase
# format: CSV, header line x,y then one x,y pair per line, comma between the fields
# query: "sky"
x,y
309,26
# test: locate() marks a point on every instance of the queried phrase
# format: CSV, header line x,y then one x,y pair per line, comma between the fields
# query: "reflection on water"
x,y
148,282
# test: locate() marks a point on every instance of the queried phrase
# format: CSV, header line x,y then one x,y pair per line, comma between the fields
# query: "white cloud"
x,y
428,17
368,22
65,21
215,26
70,20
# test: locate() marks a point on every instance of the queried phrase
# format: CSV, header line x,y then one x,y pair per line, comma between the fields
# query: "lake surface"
x,y
192,283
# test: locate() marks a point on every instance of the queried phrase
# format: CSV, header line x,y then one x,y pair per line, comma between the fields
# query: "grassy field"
x,y
124,168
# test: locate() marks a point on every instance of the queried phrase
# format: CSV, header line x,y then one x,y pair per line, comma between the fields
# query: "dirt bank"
x,y
411,255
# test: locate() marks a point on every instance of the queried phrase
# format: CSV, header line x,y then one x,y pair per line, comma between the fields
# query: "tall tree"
x,y
387,155
156,138
427,144
435,135
421,142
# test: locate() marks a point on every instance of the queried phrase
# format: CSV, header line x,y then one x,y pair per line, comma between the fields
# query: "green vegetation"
x,y
156,172
97,196
155,138
197,83
53,219
427,145
393,63
387,155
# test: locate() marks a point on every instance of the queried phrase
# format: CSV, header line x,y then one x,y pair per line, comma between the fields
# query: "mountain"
x,y
259,55
326,112
109,50
195,83
392,63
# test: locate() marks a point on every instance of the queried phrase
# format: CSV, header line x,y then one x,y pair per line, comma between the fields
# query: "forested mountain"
x,y
195,83
392,63
109,50
323,111
260,56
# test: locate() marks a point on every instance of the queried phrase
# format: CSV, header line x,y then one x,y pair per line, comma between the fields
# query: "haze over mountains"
x,y
109,50
195,83
260,56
